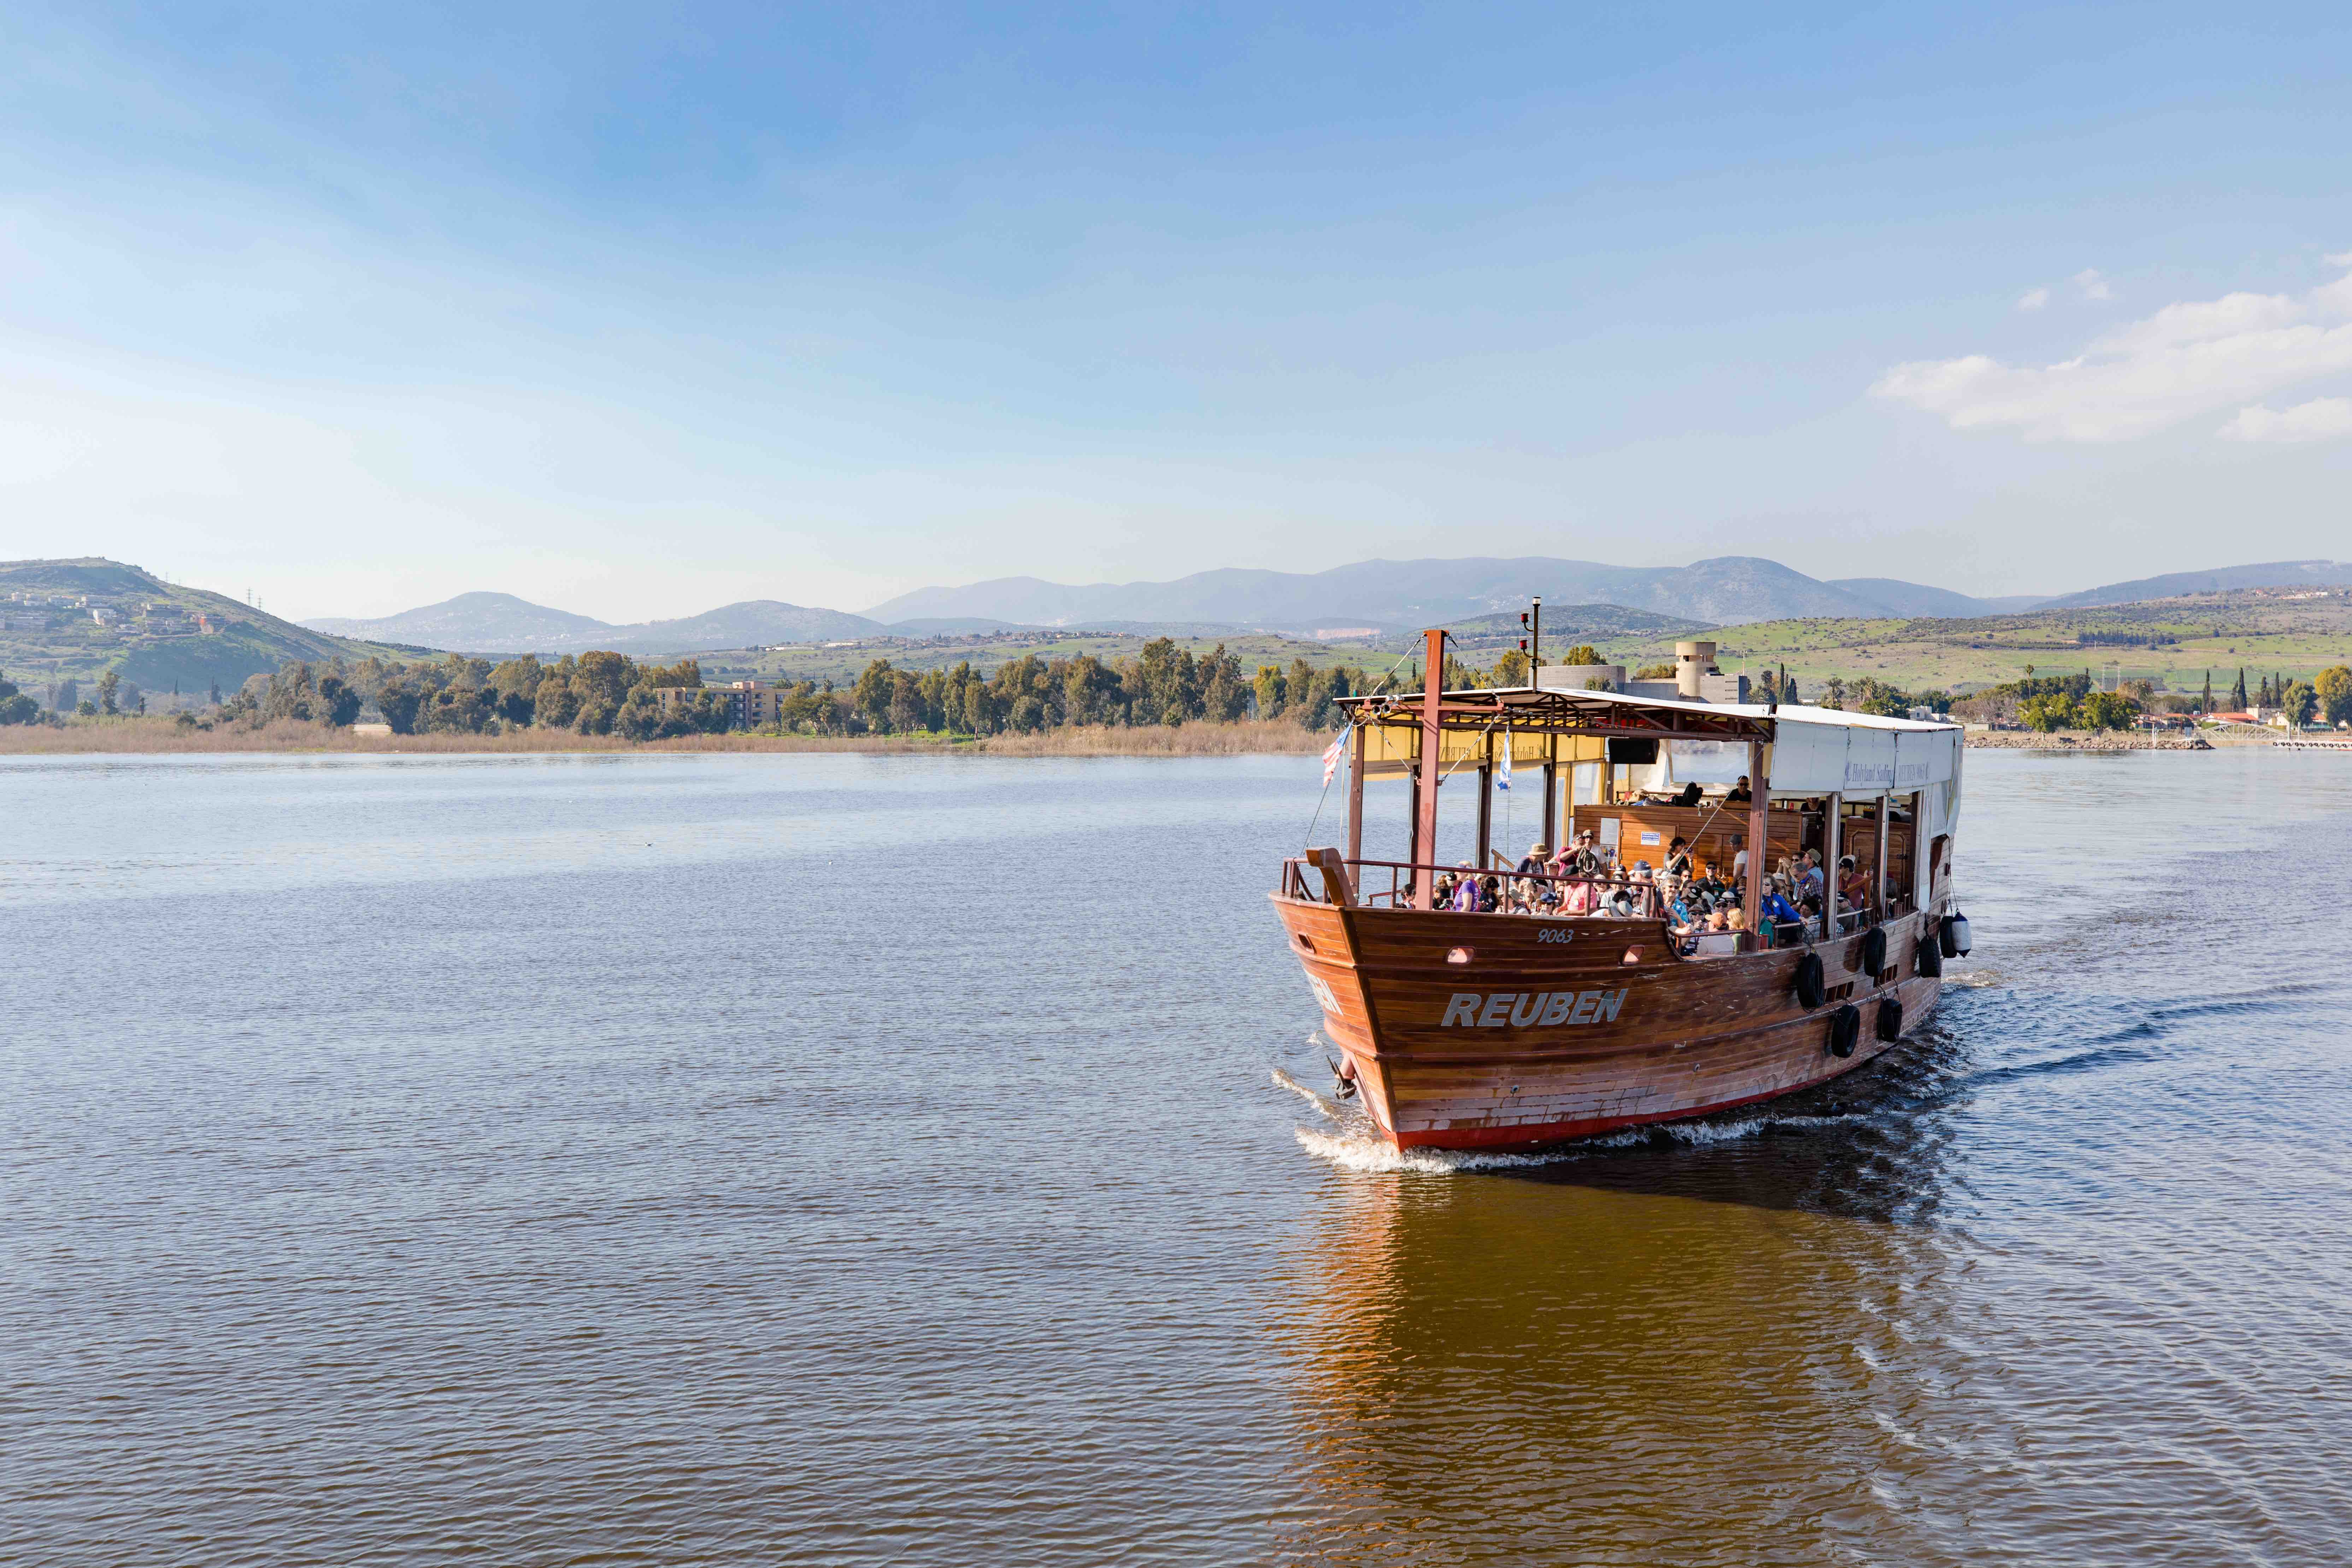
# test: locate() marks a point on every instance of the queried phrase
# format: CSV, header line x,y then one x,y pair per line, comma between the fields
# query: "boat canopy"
x,y
1807,751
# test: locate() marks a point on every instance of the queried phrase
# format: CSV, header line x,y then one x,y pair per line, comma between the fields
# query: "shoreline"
x,y
153,736
2099,740
1248,737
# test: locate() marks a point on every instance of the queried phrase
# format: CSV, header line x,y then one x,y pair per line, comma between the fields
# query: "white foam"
x,y
1364,1150
1323,1103
1367,1152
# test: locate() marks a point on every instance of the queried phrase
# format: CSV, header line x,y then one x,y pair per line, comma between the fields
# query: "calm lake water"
x,y
836,1159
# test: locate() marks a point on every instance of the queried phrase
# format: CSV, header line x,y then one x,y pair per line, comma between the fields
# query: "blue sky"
x,y
636,311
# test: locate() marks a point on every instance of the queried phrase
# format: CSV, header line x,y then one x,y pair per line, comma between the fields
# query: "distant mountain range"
x,y
1388,593
2268,575
503,623
1371,598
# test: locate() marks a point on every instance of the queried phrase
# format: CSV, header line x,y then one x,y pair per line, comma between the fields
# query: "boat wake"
x,y
1366,1152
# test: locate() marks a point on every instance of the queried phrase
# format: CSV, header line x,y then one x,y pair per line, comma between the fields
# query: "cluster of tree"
x,y
2125,639
2332,688
1164,684
16,708
1862,694
2325,697
2092,710
607,693
115,696
592,694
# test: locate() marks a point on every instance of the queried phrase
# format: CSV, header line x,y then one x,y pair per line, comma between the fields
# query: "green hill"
x,y
62,620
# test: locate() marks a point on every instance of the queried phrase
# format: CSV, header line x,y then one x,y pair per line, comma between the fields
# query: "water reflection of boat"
x,y
1543,1371
1548,1018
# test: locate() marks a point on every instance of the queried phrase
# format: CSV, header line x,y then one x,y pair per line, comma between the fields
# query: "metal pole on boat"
x,y
1486,810
1760,859
1831,831
1355,811
1878,883
1425,804
1550,799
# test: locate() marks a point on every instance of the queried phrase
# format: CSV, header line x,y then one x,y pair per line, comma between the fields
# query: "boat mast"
x,y
1426,781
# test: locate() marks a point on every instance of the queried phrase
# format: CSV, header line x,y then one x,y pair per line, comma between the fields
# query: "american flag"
x,y
1332,752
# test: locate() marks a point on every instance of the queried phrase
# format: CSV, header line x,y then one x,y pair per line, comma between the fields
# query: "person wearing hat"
x,y
1526,891
1591,859
1808,877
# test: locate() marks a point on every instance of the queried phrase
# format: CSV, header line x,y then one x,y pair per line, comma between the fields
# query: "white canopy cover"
x,y
1818,751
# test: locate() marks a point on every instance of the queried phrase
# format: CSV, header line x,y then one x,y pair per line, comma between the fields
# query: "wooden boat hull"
x,y
1543,1030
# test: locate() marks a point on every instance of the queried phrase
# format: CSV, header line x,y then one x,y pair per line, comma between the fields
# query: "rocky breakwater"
x,y
2098,741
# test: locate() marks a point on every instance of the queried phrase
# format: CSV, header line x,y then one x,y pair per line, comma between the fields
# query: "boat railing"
x,y
1327,878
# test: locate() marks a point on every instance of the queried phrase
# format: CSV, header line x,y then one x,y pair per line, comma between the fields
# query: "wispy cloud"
x,y
2033,299
2341,258
2321,419
2186,360
2092,284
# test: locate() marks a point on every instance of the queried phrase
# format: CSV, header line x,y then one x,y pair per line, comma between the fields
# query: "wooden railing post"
x,y
1336,885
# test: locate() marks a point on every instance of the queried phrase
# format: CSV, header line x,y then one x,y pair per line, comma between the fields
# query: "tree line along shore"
x,y
1165,701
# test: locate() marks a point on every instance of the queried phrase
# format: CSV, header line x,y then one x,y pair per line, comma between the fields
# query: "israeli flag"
x,y
1503,773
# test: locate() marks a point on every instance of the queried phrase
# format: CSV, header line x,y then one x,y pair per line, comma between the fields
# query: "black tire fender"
x,y
1874,952
1928,956
1813,988
1845,1028
1890,1018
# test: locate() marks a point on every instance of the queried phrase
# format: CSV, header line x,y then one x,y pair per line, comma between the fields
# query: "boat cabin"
x,y
1644,799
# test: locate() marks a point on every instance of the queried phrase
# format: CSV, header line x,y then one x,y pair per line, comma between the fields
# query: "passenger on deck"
x,y
1740,794
1465,892
1776,905
1678,856
1576,898
1490,894
1526,891
1690,795
1592,860
1682,921
1853,887
1809,878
